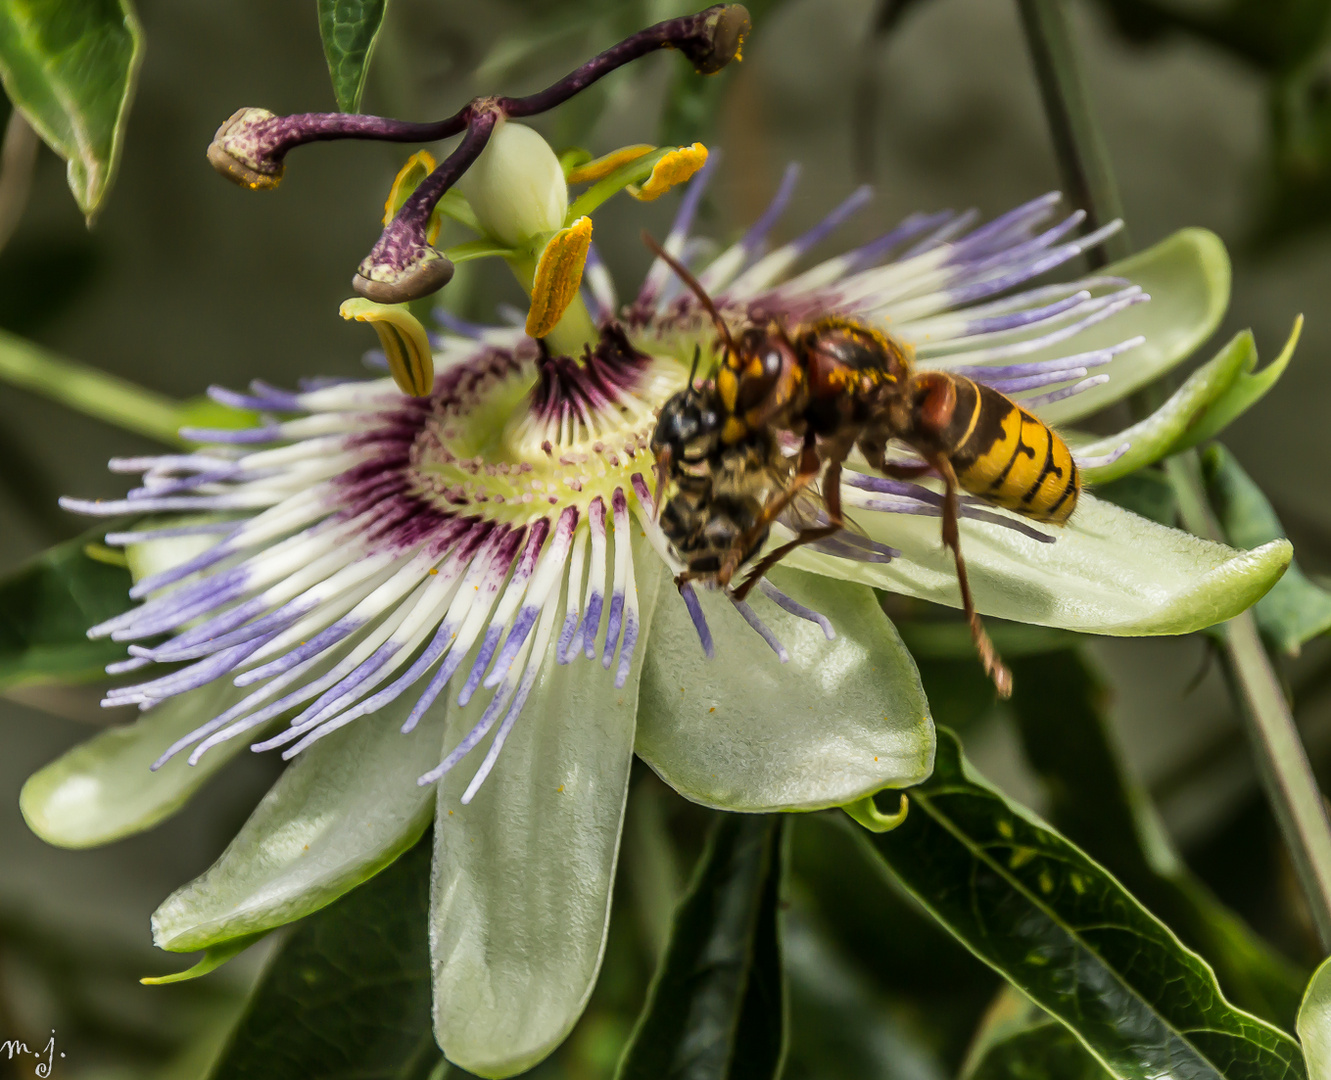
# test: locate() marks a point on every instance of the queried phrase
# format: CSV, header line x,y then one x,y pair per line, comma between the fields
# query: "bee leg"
x,y
836,521
989,658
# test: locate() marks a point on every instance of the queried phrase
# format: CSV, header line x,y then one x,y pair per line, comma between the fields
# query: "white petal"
x,y
842,719
103,790
1107,572
523,873
1188,277
343,810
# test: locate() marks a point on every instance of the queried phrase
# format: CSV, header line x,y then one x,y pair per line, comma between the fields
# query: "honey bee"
x,y
835,385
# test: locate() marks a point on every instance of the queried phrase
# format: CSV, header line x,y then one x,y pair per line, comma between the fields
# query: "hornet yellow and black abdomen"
x,y
1004,454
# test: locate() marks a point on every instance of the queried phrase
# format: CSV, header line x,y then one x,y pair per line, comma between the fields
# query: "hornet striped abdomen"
x,y
1007,456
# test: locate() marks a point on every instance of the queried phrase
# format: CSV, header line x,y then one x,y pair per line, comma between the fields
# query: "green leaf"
x,y
716,1009
349,29
1106,572
1059,703
1043,1051
1148,494
842,719
1212,397
46,608
841,1027
1295,610
348,996
71,66
1314,1023
1059,928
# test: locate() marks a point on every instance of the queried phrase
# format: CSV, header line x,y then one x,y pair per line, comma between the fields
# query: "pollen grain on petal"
x,y
675,168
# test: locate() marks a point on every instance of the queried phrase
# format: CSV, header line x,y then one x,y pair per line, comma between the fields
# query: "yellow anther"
x,y
604,166
676,167
558,275
405,342
418,167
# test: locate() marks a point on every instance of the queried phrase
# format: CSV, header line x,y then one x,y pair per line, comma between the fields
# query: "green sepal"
x,y
1212,397
213,958
865,811
1188,277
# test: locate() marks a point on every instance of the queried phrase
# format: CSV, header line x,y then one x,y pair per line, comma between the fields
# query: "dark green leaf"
x,y
1059,704
348,995
716,1010
1295,610
1148,493
958,690
46,608
1060,929
841,1028
349,29
1043,1051
1272,34
70,66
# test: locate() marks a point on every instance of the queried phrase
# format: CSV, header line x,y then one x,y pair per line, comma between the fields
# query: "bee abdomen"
x,y
1006,455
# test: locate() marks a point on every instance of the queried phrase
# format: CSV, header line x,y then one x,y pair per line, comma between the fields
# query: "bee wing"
x,y
808,510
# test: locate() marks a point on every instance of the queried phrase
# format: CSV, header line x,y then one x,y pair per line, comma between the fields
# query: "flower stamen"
x,y
558,276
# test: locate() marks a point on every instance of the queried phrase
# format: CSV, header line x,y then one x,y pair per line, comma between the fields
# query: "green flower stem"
x,y
85,389
1282,762
1083,162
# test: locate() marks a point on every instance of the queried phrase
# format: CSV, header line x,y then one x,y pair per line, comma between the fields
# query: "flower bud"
x,y
516,186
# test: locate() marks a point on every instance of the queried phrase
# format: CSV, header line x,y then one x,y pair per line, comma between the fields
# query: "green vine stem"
x,y
1083,161
1281,760
85,389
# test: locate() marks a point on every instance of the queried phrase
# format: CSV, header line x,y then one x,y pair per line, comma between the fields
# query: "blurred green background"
x,y
1216,114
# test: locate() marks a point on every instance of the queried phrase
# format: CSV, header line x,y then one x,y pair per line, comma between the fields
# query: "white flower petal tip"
x,y
844,718
102,790
1109,571
523,871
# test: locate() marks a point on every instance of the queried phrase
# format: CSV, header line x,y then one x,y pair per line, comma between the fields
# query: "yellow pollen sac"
x,y
405,342
420,165
558,275
676,167
604,166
